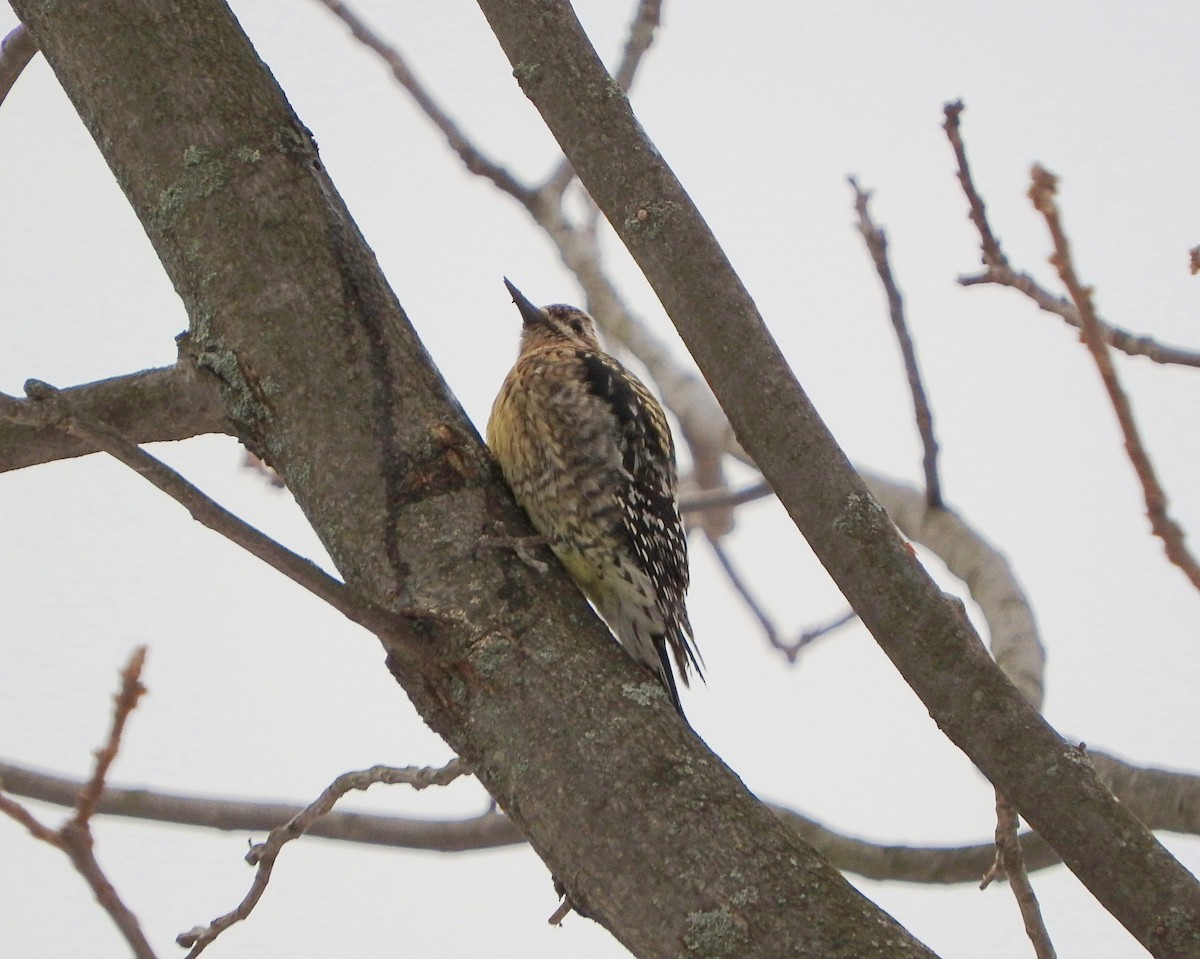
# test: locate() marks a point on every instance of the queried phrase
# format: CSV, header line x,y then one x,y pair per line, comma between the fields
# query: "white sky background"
x,y
762,109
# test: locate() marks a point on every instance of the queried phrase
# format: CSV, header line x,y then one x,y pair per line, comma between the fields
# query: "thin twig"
x,y
397,627
74,837
813,633
263,855
124,704
1131,344
999,272
876,241
992,254
471,156
1170,532
791,649
743,590
16,50
1010,863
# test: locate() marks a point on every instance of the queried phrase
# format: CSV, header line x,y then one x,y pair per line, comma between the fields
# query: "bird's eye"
x,y
576,324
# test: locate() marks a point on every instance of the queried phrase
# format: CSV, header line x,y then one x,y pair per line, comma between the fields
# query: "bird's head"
x,y
553,324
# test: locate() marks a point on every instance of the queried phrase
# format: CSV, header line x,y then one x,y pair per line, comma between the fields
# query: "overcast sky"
x,y
762,109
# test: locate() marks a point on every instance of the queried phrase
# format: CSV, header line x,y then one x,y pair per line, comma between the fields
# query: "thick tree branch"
x,y
926,637
637,45
171,403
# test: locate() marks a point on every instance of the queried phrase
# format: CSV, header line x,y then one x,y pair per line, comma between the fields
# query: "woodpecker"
x,y
588,453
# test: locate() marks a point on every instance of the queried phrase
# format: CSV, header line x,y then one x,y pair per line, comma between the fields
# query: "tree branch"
x,y
1010,864
998,271
637,45
1164,526
16,50
263,854
876,241
74,837
171,403
1013,635
58,411
472,157
1163,799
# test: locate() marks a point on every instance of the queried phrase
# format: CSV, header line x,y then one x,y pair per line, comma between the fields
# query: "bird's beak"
x,y
530,314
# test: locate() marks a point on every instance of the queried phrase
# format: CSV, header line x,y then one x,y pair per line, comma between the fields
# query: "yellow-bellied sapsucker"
x,y
588,453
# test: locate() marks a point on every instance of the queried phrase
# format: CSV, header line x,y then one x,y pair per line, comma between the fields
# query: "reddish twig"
x,y
74,837
1010,863
876,241
264,854
1042,192
999,272
125,703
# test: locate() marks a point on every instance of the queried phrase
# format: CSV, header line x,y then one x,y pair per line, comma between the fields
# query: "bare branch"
x,y
1163,799
264,854
1011,864
876,241
1165,528
170,403
821,630
992,255
641,36
471,156
790,648
56,410
18,813
742,588
124,703
999,272
16,50
74,837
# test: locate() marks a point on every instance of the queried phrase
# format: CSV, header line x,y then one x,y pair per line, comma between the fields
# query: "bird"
x,y
588,453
